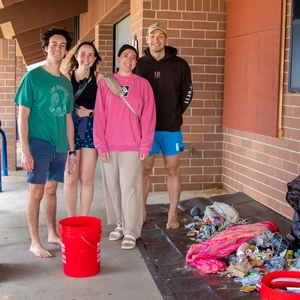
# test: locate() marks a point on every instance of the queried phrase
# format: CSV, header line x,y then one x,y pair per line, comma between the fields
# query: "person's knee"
x,y
146,172
87,182
36,192
173,170
36,195
71,181
148,164
50,189
50,192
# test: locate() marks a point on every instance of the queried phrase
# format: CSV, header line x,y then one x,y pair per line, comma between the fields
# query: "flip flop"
x,y
129,242
116,235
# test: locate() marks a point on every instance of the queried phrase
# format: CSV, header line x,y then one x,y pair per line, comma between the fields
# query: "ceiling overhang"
x,y
23,20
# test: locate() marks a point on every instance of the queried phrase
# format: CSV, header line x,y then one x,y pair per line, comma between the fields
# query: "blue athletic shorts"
x,y
169,143
48,164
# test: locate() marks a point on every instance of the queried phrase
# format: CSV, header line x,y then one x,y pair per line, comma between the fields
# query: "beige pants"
x,y
123,189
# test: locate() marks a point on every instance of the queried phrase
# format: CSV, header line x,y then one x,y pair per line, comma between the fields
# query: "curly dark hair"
x,y
45,36
73,63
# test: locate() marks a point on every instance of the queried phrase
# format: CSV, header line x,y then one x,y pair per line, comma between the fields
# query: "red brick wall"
x,y
104,44
261,166
197,29
7,92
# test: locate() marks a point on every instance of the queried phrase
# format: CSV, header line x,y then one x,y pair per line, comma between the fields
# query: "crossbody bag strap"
x,y
130,107
115,87
85,82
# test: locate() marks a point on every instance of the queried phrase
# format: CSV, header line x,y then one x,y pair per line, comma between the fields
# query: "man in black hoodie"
x,y
170,78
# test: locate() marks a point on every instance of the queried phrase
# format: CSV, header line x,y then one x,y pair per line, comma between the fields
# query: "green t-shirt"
x,y
49,99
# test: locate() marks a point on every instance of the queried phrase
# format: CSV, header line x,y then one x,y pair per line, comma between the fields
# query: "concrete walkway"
x,y
123,275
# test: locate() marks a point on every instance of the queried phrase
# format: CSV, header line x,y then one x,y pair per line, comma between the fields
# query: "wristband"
x,y
72,152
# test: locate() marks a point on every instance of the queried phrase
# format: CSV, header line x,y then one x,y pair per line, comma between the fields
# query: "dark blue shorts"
x,y
87,141
166,142
48,164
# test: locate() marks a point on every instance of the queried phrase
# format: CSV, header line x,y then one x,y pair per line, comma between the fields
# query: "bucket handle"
x,y
88,243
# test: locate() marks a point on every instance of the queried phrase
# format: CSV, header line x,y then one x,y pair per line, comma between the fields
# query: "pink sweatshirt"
x,y
115,127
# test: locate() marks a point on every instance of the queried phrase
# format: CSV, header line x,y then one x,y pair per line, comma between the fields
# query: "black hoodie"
x,y
171,81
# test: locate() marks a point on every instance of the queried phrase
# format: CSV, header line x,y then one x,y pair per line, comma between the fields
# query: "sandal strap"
x,y
129,236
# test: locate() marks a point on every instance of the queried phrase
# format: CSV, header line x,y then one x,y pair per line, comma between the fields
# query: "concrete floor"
x,y
123,275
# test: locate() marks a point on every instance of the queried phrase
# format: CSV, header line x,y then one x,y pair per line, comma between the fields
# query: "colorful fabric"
x,y
205,255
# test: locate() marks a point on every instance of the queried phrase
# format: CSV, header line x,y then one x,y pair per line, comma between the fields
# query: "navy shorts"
x,y
87,141
166,142
48,164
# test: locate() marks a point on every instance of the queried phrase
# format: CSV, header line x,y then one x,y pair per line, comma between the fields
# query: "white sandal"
x,y
116,235
129,242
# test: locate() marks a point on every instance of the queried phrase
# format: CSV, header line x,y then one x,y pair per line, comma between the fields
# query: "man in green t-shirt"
x,y
46,131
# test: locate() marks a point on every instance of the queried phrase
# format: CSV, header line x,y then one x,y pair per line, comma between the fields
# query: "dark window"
x,y
296,10
121,37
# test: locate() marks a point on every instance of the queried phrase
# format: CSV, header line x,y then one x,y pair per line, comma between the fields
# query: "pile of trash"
x,y
233,247
217,218
263,254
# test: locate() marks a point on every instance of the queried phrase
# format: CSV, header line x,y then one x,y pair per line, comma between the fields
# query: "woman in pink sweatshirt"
x,y
123,141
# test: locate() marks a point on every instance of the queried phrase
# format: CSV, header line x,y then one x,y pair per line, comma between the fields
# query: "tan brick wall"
x,y
7,92
105,46
261,166
197,29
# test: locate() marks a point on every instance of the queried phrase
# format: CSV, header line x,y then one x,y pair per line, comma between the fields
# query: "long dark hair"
x,y
73,63
45,36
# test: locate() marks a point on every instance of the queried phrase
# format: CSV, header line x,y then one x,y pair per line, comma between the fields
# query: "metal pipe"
x,y
281,78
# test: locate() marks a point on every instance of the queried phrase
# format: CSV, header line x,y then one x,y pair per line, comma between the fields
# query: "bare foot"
x,y
40,251
54,239
172,223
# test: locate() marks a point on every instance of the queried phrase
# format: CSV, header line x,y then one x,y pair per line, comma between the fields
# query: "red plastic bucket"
x,y
80,245
274,285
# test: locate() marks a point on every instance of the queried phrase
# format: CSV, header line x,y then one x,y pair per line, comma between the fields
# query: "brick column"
x,y
7,92
104,44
